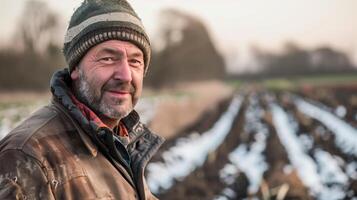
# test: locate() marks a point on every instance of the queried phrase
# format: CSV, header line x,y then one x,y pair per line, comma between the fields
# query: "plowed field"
x,y
264,145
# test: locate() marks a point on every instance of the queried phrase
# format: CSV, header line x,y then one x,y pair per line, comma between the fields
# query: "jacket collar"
x,y
92,148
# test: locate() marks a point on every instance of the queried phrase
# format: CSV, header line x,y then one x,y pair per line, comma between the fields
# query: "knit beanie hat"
x,y
96,21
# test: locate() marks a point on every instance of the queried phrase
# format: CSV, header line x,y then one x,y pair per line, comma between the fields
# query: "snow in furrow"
x,y
331,174
250,161
346,135
304,164
324,177
226,194
351,170
329,166
191,152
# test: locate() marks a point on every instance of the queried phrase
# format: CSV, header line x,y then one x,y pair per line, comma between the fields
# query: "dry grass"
x,y
173,114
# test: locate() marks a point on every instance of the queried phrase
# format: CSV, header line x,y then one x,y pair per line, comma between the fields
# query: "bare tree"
x,y
38,27
186,51
35,53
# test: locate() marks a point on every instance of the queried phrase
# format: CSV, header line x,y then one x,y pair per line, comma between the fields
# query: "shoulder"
x,y
28,136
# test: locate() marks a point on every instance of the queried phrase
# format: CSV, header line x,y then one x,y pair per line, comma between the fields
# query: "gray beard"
x,y
94,100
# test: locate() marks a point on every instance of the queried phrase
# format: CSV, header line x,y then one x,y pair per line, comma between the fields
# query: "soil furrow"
x,y
204,182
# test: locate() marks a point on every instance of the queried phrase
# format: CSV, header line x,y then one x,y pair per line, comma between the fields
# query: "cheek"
x,y
95,85
138,84
99,78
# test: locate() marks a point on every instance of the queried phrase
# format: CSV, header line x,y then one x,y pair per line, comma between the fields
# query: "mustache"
x,y
115,85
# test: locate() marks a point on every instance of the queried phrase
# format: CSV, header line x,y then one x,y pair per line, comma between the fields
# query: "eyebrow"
x,y
110,51
138,54
119,53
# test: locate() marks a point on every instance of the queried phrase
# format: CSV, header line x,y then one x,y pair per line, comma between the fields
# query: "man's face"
x,y
109,78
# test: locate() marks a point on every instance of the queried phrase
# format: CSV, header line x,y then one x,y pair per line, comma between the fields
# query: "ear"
x,y
75,73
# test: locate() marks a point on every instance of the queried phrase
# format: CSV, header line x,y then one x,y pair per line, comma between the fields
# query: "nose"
x,y
123,71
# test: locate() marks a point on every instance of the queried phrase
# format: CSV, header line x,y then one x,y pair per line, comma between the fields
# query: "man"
x,y
88,142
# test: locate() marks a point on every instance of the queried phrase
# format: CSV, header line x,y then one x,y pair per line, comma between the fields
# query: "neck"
x,y
111,123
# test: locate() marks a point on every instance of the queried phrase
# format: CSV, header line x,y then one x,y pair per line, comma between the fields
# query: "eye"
x,y
107,60
136,62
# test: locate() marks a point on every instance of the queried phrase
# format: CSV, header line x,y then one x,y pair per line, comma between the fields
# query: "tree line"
x,y
295,60
183,51
34,55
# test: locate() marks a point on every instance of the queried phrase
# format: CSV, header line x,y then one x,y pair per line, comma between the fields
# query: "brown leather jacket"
x,y
57,154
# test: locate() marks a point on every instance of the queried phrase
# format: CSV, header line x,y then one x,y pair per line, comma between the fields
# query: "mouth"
x,y
119,93
119,90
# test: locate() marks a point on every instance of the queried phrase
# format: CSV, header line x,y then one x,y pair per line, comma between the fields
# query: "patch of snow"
x,y
333,193
229,193
324,178
249,160
221,198
190,153
293,123
351,170
304,164
307,141
229,173
341,111
329,168
345,134
339,160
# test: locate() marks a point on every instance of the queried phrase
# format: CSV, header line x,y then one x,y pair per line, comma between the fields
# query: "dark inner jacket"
x,y
24,150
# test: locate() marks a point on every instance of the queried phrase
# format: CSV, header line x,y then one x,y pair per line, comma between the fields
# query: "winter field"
x,y
255,144
265,145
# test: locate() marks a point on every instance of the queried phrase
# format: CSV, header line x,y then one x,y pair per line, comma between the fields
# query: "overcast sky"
x,y
237,25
